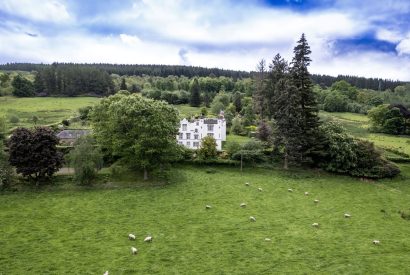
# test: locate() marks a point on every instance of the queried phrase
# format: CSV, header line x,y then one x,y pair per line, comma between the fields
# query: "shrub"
x,y
208,148
14,119
84,111
232,148
251,152
237,127
65,122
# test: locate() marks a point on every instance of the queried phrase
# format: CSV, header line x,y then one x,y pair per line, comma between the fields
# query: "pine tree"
x,y
309,111
260,88
123,85
195,100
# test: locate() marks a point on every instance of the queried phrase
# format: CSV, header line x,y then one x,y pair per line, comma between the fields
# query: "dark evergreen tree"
x,y
309,121
237,101
195,100
258,95
38,84
22,87
123,85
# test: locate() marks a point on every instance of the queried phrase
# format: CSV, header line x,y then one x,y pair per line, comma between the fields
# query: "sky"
x,y
368,38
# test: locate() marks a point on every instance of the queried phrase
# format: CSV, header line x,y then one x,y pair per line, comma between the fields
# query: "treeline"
x,y
73,80
134,69
376,84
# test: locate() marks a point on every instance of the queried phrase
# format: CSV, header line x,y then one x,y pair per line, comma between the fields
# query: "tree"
x,y
22,87
123,85
237,101
195,99
34,153
86,159
260,88
264,131
309,121
208,148
138,130
237,127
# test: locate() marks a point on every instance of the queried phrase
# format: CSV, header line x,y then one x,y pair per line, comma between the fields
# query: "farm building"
x,y
68,137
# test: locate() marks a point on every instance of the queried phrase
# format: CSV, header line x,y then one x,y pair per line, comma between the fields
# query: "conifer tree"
x,y
309,111
195,99
123,85
260,89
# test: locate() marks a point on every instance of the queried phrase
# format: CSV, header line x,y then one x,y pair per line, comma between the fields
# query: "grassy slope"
x,y
48,110
84,232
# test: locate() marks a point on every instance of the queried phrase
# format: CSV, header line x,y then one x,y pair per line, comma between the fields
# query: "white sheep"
x,y
106,273
315,224
252,219
290,190
247,183
131,237
134,250
316,201
376,242
260,189
208,207
267,239
347,215
306,193
148,239
242,204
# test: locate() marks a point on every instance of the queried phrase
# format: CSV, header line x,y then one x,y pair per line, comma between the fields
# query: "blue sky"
x,y
367,37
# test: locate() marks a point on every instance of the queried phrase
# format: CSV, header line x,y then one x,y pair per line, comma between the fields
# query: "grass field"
x,y
48,109
84,231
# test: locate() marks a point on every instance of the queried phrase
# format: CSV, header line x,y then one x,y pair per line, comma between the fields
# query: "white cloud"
x,y
130,39
44,10
403,47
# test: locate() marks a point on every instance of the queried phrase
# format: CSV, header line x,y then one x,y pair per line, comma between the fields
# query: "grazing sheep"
x,y
260,189
208,207
267,239
242,204
316,201
315,224
148,239
106,273
131,237
290,190
347,215
134,250
306,193
376,242
252,219
247,183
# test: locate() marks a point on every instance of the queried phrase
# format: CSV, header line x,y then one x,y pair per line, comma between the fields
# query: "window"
x,y
180,142
188,136
197,123
188,143
183,127
196,144
210,127
196,136
210,134
196,130
181,136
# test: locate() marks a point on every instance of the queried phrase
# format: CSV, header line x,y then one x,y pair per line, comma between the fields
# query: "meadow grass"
x,y
84,231
48,109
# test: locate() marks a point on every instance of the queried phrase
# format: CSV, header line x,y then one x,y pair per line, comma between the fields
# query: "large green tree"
x,y
195,100
141,131
309,110
22,87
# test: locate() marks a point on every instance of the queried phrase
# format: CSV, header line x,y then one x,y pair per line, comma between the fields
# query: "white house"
x,y
192,131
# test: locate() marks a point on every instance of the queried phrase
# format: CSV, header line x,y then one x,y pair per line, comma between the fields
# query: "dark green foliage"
x,y
22,87
34,153
237,101
208,148
232,148
6,172
344,154
237,126
86,159
195,99
388,119
123,85
65,122
84,112
251,153
264,131
335,102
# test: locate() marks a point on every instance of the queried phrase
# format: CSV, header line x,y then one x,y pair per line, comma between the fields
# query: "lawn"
x,y
84,231
48,109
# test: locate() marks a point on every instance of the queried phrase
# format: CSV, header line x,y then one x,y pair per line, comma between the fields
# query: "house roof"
x,y
72,134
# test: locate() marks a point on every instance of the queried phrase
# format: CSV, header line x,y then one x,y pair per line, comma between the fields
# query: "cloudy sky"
x,y
356,37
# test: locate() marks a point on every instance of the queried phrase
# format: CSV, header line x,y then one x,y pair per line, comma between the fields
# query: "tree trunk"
x,y
286,160
145,174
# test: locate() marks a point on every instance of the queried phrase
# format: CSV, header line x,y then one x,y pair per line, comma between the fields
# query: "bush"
x,y
65,122
232,148
14,119
251,152
208,148
86,159
83,112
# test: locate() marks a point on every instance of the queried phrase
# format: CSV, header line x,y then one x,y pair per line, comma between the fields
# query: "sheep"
x,y
316,201
315,224
306,193
290,190
260,189
247,183
252,219
134,251
208,206
267,239
347,215
131,237
376,242
148,239
242,204
106,273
